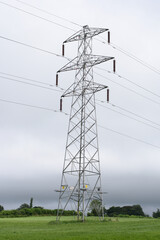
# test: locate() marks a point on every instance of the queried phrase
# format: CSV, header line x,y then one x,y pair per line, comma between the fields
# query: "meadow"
x,y
46,228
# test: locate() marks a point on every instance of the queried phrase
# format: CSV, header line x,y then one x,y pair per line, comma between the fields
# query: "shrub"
x,y
1,208
156,214
24,205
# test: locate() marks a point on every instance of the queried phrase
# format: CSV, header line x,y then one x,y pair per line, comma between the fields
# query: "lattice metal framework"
x,y
81,176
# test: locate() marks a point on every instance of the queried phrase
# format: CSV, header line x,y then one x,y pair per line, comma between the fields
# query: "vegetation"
x,y
95,208
1,208
156,214
135,210
25,212
31,203
46,228
23,206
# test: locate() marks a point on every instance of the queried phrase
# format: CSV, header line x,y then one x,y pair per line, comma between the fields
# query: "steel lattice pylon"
x,y
81,177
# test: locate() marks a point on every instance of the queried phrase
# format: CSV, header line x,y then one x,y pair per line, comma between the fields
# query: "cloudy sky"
x,y
32,140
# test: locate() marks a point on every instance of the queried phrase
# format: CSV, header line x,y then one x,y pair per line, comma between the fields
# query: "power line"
x,y
60,56
50,13
33,47
32,80
31,84
34,15
57,111
27,45
130,81
67,59
136,58
147,124
31,106
129,89
114,46
111,44
128,136
128,111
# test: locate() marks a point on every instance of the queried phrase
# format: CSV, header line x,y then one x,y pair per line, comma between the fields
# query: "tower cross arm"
x,y
89,88
87,61
96,59
87,32
94,87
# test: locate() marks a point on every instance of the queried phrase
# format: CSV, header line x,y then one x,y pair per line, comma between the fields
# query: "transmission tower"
x,y
81,176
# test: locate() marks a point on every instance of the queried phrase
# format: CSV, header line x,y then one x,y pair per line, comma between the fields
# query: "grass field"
x,y
46,228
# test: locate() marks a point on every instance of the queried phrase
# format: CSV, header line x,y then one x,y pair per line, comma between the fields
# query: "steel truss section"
x,y
81,176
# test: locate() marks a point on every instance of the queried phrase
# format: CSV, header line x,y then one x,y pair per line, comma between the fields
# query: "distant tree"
x,y
1,208
113,211
38,207
24,205
31,203
95,207
135,210
156,214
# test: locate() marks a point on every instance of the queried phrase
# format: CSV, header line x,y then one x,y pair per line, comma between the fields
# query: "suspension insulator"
x,y
63,50
61,104
57,79
107,95
114,66
108,37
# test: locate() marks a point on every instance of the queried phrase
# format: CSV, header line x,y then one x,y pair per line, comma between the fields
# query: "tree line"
x,y
28,210
135,210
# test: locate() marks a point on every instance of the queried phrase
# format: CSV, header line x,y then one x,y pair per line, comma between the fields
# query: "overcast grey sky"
x,y
32,141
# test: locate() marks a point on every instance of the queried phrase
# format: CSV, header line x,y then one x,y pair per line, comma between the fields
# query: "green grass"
x,y
46,228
